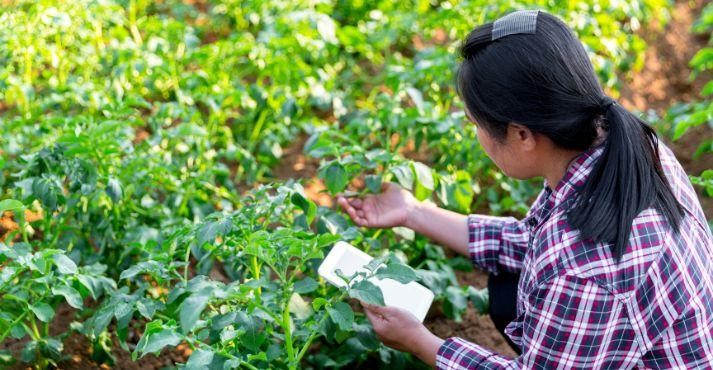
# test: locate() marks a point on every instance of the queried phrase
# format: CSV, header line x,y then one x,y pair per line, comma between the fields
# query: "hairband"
x,y
604,103
521,21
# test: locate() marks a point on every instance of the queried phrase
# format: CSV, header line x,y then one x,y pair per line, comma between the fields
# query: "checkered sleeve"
x,y
497,243
568,322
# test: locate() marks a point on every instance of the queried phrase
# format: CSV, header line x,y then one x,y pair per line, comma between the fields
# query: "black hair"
x,y
545,82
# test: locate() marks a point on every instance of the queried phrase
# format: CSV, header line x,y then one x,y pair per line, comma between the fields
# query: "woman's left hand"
x,y
400,330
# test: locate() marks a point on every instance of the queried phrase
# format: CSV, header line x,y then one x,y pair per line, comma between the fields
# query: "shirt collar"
x,y
577,173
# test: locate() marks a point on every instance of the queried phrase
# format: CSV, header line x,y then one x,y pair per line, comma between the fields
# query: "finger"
x,y
360,221
350,210
369,306
357,202
373,317
373,308
343,203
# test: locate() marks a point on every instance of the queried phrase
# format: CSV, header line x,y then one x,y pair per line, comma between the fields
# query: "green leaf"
x,y
707,89
703,59
367,292
6,357
307,206
417,98
318,145
373,183
376,263
335,178
211,229
425,183
342,315
156,338
51,348
10,205
43,311
64,264
306,285
479,298
404,175
147,308
318,303
28,352
401,273
455,303
18,331
70,294
141,267
254,336
404,232
162,339
192,308
123,310
113,190
45,190
199,360
95,285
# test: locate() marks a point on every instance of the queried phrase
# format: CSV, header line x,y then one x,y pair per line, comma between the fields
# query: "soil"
x,y
663,81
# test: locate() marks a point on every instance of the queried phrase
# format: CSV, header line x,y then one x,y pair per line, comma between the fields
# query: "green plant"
x,y
33,283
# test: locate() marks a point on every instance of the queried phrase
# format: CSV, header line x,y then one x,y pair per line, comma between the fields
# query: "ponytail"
x,y
626,180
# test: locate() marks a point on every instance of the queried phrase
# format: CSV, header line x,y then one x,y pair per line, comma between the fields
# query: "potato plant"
x,y
273,306
33,283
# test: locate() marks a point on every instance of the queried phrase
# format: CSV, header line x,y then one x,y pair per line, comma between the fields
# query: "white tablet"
x,y
413,297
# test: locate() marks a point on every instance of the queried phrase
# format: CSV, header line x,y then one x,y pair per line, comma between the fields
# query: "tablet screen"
x,y
412,297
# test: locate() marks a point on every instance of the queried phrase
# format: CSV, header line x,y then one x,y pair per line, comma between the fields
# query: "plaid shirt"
x,y
577,308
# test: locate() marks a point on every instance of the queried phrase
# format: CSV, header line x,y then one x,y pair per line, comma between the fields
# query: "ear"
x,y
522,136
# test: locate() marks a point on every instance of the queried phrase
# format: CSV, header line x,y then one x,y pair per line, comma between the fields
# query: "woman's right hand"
x,y
389,208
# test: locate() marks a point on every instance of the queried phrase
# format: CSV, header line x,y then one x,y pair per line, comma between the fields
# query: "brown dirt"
x,y
8,223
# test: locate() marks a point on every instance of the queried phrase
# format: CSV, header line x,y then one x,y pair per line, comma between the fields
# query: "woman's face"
x,y
514,154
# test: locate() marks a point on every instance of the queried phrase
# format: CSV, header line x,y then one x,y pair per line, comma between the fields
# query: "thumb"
x,y
379,310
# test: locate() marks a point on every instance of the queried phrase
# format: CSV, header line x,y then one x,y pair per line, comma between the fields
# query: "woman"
x,y
614,256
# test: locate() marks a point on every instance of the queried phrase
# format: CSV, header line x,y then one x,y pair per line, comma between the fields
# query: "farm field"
x,y
168,168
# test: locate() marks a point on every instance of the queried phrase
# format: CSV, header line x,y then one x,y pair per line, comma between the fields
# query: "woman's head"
x,y
543,81
527,74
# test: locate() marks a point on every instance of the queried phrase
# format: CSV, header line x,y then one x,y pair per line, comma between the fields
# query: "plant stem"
x,y
256,276
248,365
288,335
12,324
35,330
186,259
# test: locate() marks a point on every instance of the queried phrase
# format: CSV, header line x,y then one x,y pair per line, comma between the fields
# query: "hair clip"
x,y
521,21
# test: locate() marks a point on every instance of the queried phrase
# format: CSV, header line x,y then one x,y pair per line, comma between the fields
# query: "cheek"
x,y
490,147
500,154
485,142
